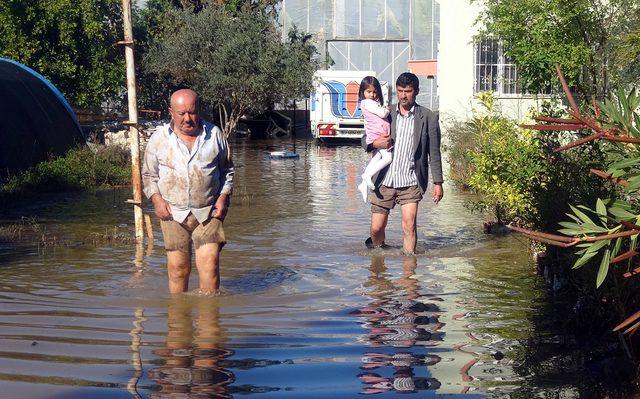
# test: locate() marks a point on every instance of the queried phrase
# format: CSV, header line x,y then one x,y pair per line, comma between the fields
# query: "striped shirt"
x,y
401,172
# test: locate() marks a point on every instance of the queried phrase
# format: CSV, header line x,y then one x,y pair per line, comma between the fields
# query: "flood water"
x,y
306,310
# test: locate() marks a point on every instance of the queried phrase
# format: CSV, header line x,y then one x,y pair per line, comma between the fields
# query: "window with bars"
x,y
493,70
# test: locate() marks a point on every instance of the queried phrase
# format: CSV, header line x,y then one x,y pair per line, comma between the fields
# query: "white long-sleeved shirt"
x,y
190,181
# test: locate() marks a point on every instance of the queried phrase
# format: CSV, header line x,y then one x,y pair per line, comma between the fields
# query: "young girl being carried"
x,y
376,125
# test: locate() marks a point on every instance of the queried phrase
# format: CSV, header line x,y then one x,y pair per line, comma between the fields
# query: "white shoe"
x,y
369,182
364,190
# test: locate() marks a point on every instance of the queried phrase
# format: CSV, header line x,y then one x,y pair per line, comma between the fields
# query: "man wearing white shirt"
x,y
188,176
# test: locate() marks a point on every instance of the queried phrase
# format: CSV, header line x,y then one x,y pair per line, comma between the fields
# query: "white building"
x,y
434,39
466,68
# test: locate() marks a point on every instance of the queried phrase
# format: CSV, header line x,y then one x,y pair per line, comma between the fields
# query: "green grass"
x,y
79,169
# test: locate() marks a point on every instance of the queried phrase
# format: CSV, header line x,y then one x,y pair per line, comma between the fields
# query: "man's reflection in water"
x,y
193,352
397,318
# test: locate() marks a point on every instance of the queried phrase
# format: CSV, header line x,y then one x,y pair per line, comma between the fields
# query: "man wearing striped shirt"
x,y
415,141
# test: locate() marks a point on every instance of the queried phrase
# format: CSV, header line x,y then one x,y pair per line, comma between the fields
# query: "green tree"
x,y
153,91
236,60
627,56
228,5
247,5
591,40
71,42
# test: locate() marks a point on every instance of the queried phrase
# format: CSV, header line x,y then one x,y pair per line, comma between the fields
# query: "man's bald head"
x,y
184,95
184,107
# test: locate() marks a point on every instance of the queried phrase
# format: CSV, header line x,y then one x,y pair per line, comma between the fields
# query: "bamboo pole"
x,y
134,140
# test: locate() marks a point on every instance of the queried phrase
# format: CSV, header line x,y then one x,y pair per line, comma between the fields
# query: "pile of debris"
x,y
114,133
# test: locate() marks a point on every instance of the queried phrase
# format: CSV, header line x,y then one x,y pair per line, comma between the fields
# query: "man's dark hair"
x,y
408,79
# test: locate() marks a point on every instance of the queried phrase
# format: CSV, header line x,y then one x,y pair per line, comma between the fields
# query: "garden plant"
x,y
608,230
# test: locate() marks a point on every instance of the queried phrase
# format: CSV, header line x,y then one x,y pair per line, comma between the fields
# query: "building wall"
x,y
456,65
386,35
455,58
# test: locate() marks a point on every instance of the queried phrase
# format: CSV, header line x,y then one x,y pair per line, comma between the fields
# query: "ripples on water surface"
x,y
306,311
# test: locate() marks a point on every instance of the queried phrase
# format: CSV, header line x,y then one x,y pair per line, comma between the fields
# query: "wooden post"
x,y
147,222
134,140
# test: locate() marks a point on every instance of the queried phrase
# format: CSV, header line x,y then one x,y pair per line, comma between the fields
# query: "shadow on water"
x,y
525,338
257,280
565,348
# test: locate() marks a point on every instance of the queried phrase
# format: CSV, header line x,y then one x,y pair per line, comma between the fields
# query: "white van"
x,y
335,109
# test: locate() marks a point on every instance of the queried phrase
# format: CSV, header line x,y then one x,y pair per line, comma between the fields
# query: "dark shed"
x,y
35,119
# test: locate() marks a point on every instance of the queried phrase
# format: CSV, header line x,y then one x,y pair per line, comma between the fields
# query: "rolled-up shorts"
x,y
181,236
385,198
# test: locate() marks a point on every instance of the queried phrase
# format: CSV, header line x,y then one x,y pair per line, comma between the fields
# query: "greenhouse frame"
x,y
385,36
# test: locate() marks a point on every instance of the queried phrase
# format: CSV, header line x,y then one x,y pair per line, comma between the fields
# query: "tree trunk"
x,y
232,122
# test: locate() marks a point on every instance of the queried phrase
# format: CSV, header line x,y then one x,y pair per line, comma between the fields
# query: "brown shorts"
x,y
385,198
180,236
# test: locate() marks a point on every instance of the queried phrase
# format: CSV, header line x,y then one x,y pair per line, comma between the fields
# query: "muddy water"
x,y
307,312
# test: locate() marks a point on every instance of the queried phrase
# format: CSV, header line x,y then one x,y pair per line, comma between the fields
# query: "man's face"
x,y
406,96
185,116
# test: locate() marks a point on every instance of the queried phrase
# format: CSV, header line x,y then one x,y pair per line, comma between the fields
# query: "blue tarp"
x,y
36,122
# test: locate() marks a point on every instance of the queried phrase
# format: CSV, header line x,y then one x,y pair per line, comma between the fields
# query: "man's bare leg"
x,y
409,214
378,226
208,265
179,268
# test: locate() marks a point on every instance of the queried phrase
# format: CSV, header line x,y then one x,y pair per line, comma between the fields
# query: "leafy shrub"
x,y
514,173
458,148
79,169
608,230
607,234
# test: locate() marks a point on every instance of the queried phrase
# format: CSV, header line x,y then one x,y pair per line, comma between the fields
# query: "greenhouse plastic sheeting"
x,y
350,19
378,35
37,122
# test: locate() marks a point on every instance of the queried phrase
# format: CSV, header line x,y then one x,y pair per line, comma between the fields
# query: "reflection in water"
x,y
193,352
292,273
136,359
397,318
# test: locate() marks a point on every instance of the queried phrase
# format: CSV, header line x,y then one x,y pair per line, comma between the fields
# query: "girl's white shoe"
x,y
369,181
364,190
